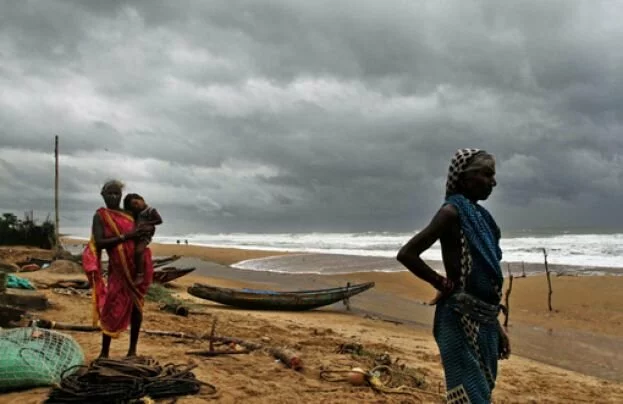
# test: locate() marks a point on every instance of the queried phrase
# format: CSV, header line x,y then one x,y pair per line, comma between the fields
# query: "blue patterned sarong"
x,y
469,349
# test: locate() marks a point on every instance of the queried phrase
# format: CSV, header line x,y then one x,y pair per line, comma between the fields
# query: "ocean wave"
x,y
590,250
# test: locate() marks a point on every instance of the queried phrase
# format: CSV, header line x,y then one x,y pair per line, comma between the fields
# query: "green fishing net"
x,y
31,357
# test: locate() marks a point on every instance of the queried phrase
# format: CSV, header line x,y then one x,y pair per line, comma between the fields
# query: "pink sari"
x,y
113,302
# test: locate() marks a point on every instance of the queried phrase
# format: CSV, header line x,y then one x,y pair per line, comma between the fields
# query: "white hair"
x,y
111,184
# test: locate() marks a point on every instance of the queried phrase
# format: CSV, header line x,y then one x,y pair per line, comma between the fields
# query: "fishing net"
x,y
31,357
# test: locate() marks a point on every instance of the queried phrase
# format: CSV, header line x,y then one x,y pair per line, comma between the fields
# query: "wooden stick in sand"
x,y
507,297
549,281
212,334
523,269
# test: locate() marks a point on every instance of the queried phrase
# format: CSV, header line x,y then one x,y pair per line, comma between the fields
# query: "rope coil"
x,y
110,380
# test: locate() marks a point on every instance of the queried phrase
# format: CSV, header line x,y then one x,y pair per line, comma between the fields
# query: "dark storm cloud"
x,y
296,116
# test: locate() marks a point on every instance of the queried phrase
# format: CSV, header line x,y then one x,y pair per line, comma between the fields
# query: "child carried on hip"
x,y
145,218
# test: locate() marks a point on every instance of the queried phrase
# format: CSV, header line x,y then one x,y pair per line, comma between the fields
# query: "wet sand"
x,y
577,336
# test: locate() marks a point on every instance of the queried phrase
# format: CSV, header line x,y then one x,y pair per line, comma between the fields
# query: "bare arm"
x,y
409,254
102,242
154,219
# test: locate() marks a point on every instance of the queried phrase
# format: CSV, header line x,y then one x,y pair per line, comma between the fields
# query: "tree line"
x,y
26,231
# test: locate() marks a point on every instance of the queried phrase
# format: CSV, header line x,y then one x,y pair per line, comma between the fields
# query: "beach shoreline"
x,y
585,308
585,303
235,256
569,354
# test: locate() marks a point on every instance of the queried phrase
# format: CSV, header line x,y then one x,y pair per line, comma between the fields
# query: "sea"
x,y
589,252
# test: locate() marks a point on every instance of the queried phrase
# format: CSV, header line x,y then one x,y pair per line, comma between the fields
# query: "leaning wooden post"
x,y
212,333
507,297
523,269
56,237
549,281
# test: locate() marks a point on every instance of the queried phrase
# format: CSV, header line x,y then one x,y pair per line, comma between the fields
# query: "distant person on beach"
x,y
186,242
118,302
147,218
466,326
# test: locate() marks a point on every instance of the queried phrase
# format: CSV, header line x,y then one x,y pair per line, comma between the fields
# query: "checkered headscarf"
x,y
459,163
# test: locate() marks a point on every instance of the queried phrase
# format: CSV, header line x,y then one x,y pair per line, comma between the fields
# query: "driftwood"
x,y
290,358
549,281
507,297
53,325
177,309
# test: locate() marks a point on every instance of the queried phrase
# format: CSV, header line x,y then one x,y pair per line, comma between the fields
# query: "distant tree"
x,y
9,220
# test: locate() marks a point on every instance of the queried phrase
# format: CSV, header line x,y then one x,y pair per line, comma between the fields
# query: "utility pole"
x,y
56,236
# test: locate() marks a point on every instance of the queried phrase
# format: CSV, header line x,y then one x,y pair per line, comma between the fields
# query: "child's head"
x,y
134,203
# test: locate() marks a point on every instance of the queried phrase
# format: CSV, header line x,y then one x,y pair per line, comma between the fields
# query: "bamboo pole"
x,y
549,281
507,297
56,220
523,269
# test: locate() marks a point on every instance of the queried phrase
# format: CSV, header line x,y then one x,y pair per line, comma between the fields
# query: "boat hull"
x,y
274,300
160,262
168,274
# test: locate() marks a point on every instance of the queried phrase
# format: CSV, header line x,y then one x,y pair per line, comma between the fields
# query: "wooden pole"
x,y
523,269
507,297
549,281
56,237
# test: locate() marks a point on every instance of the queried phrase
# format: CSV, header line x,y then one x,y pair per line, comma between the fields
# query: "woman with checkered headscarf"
x,y
466,328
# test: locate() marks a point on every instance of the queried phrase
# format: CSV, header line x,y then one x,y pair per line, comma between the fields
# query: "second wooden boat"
x,y
160,262
168,274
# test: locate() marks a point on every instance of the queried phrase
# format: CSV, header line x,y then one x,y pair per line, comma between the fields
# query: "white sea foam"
x,y
582,250
586,250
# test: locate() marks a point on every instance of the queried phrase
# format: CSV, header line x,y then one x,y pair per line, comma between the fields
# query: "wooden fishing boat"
x,y
160,262
168,274
276,300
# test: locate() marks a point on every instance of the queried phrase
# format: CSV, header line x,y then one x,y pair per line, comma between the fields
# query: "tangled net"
x,y
114,381
31,357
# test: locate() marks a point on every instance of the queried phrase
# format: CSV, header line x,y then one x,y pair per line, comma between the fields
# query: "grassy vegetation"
x,y
160,294
164,297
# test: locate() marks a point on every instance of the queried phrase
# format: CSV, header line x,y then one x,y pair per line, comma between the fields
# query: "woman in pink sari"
x,y
119,302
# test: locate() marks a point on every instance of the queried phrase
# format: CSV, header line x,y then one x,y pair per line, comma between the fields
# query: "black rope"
x,y
120,381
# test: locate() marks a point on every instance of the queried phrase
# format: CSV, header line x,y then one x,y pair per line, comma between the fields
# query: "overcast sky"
x,y
298,115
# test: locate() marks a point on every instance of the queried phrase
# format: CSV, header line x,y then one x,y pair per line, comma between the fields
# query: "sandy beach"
x,y
572,354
